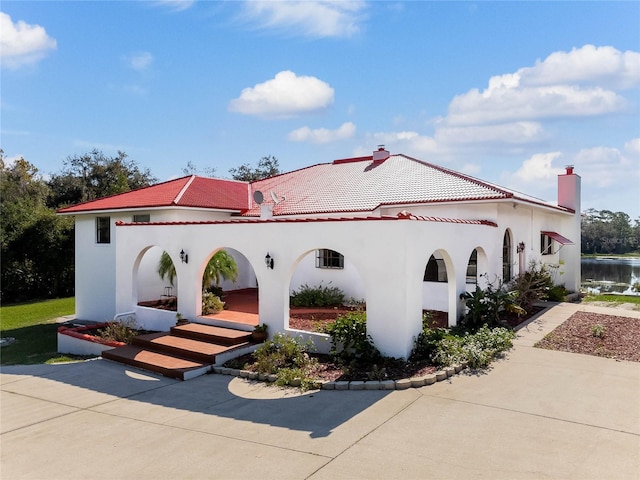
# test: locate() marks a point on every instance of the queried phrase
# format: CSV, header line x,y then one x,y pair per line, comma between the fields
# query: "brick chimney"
x,y
569,190
380,154
569,197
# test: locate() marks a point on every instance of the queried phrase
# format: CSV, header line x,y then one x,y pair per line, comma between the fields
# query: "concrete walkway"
x,y
536,414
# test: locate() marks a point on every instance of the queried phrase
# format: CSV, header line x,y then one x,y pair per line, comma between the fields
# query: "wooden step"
x,y
167,365
182,347
211,334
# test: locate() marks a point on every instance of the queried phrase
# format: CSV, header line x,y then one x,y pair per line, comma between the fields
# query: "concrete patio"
x,y
536,414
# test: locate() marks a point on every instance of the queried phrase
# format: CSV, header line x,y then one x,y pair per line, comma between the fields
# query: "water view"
x,y
611,275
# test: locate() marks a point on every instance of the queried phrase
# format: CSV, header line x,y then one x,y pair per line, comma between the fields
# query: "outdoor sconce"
x,y
268,261
184,257
520,247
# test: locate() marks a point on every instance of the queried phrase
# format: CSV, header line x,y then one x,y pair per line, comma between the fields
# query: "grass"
x,y
613,299
34,328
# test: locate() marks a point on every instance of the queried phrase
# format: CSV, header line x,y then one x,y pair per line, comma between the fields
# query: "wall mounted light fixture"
x,y
268,260
184,257
520,247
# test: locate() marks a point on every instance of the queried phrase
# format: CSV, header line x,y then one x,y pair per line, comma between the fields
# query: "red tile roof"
x,y
191,191
348,185
362,184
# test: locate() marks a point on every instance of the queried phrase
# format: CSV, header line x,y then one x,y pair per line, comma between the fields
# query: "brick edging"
x,y
402,384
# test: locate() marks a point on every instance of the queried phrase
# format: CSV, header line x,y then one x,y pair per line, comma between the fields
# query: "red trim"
x,y
252,221
76,332
558,238
352,160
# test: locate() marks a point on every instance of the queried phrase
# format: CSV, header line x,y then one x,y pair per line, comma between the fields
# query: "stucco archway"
x,y
240,294
326,268
439,286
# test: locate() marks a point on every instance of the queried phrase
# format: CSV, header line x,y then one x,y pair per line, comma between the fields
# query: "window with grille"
x,y
103,229
142,218
326,258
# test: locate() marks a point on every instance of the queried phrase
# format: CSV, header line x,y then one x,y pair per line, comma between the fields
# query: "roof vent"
x,y
380,154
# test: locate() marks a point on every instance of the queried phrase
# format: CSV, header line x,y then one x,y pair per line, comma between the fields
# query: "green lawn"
x,y
612,299
34,328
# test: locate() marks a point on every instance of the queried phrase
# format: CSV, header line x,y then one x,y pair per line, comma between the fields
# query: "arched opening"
x,y
154,289
438,282
229,289
324,284
507,256
155,281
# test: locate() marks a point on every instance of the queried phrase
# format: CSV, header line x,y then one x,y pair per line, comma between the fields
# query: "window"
x,y
326,258
142,218
436,270
472,268
103,230
545,244
506,257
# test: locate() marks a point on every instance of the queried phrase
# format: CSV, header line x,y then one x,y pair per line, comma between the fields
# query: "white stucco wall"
x,y
384,261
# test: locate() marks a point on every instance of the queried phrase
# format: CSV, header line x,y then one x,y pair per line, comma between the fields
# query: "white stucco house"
x,y
402,234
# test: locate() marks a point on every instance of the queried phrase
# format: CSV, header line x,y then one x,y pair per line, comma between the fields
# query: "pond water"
x,y
601,275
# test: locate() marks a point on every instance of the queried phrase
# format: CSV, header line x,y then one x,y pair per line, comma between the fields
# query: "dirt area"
x,y
610,336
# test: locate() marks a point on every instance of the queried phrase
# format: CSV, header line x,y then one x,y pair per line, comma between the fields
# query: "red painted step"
x,y
211,334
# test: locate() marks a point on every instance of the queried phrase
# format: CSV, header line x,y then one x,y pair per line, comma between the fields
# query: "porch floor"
x,y
241,307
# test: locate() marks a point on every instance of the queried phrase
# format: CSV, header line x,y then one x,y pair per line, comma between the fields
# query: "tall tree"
x,y
94,175
220,267
36,245
267,167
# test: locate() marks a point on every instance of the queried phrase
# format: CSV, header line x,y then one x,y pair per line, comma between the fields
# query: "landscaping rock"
x,y
357,385
388,385
417,382
441,375
403,384
329,386
430,379
372,385
450,371
342,385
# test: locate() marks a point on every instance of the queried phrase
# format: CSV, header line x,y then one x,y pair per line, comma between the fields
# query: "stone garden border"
x,y
403,384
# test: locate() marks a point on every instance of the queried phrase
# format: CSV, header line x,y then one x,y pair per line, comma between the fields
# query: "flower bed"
x,y
80,340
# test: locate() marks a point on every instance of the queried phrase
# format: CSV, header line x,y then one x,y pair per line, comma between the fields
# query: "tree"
x,y
604,231
267,167
94,175
36,245
221,266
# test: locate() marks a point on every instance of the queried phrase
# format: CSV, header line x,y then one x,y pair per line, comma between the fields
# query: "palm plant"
x,y
221,266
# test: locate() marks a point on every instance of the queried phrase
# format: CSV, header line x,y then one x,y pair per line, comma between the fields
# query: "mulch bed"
x,y
621,339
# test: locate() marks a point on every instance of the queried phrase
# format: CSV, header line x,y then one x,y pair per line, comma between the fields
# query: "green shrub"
x,y
488,306
122,331
598,330
318,296
557,293
211,303
349,339
288,359
444,347
533,285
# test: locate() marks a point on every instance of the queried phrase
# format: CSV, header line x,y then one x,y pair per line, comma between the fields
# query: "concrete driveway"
x,y
536,414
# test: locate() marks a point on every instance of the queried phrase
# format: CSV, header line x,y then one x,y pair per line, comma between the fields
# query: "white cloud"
x,y
139,60
633,147
324,18
566,84
409,142
509,133
606,167
604,66
539,167
176,5
284,96
503,102
323,135
22,44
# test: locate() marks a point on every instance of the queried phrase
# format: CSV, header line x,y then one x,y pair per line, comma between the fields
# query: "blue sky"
x,y
509,92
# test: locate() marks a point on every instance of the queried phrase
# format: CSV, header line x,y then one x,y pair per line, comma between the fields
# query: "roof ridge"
x,y
113,195
184,189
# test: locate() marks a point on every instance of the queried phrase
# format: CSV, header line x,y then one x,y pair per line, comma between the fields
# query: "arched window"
x,y
506,257
436,270
472,268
